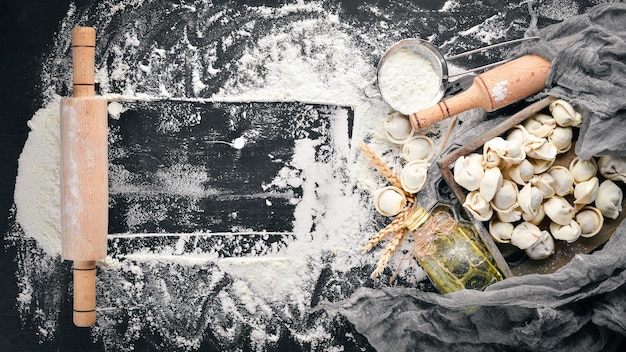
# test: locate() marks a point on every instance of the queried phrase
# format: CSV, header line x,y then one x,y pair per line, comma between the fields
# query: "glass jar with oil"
x,y
450,251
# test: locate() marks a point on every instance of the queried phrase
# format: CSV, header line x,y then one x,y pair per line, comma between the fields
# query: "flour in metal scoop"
x,y
408,81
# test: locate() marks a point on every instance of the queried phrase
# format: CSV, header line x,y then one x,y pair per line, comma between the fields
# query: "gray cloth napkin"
x,y
588,54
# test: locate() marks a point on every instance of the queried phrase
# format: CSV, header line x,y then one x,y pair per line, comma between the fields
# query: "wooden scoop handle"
x,y
491,90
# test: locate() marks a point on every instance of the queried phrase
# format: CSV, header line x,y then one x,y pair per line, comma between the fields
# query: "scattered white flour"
x,y
408,82
489,31
276,277
450,5
312,60
239,142
558,9
115,109
499,91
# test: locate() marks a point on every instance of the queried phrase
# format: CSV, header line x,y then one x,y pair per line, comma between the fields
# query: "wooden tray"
x,y
511,260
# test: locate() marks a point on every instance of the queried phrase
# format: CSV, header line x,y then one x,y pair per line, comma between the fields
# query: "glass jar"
x,y
450,251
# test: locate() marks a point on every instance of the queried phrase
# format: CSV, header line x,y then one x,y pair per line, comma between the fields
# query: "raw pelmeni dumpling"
x,y
613,167
413,176
517,133
478,206
506,196
564,114
537,218
545,183
541,165
398,128
569,232
529,199
561,138
497,151
525,235
500,231
590,220
389,201
540,125
537,244
491,182
609,199
530,141
520,173
513,153
542,248
583,170
563,180
492,151
586,192
511,214
469,171
521,136
543,150
418,148
559,210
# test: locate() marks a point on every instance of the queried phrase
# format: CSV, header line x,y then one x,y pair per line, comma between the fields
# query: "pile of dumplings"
x,y
515,186
417,152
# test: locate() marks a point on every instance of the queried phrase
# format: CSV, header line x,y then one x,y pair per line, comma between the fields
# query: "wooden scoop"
x,y
84,177
491,90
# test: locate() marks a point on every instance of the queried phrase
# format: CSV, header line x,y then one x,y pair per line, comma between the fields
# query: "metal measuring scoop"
x,y
439,64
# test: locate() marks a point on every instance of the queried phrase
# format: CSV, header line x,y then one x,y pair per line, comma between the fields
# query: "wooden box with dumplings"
x,y
512,259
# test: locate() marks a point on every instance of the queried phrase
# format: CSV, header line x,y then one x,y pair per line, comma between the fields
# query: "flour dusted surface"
x,y
226,284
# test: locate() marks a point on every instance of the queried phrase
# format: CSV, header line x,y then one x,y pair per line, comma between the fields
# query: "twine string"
x,y
439,225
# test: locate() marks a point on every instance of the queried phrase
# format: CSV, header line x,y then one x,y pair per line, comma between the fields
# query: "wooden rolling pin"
x,y
491,90
84,176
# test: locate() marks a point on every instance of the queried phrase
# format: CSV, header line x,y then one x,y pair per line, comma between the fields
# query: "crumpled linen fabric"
x,y
580,307
588,54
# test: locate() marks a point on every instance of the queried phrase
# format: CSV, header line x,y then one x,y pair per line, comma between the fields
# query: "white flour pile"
x,y
37,188
168,287
408,81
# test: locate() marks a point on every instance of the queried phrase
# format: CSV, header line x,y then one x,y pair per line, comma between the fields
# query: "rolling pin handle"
x,y
83,61
84,293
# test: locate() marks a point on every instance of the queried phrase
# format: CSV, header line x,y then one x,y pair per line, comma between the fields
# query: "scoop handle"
x,y
491,90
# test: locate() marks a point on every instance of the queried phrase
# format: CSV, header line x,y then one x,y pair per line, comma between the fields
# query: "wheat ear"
x,y
389,250
380,165
396,225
